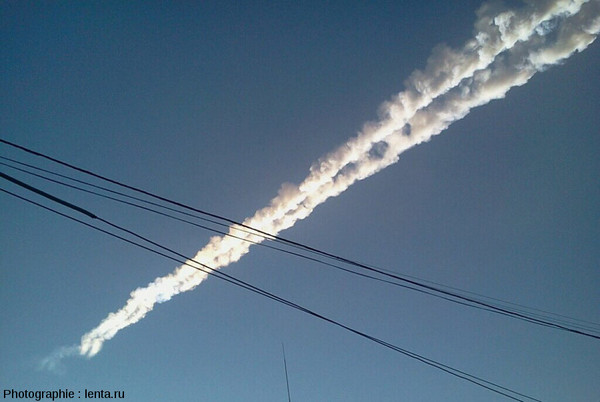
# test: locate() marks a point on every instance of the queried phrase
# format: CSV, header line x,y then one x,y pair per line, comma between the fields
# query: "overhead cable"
x,y
416,284
182,259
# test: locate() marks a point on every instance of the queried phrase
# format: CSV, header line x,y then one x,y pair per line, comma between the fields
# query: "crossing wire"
x,y
182,259
407,282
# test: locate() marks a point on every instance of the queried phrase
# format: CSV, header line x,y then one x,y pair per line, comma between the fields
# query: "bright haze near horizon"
x,y
216,105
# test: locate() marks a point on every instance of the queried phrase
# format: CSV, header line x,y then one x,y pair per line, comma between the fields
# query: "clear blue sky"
x,y
216,105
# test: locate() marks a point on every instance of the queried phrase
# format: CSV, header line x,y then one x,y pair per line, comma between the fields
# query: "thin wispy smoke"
x,y
508,48
53,362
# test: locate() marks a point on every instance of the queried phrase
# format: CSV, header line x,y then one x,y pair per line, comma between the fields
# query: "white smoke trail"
x,y
53,362
508,48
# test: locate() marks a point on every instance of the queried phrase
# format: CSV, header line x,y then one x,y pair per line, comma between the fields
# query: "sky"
x,y
216,105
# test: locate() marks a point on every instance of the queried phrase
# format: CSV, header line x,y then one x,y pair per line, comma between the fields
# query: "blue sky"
x,y
217,105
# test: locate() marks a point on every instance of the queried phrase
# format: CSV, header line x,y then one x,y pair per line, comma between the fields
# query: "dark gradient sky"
x,y
216,105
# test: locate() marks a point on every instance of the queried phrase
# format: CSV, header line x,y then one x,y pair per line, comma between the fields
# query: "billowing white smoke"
x,y
508,48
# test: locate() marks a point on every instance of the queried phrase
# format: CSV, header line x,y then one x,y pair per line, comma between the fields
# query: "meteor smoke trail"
x,y
508,48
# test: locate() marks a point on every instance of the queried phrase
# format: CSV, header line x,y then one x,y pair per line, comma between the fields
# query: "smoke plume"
x,y
507,49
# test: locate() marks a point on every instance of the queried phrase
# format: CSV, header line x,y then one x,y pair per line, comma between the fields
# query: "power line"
x,y
47,195
184,260
412,283
213,221
230,235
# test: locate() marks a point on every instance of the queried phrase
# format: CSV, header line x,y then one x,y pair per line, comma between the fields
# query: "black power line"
x,y
430,293
541,314
182,259
47,195
425,287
